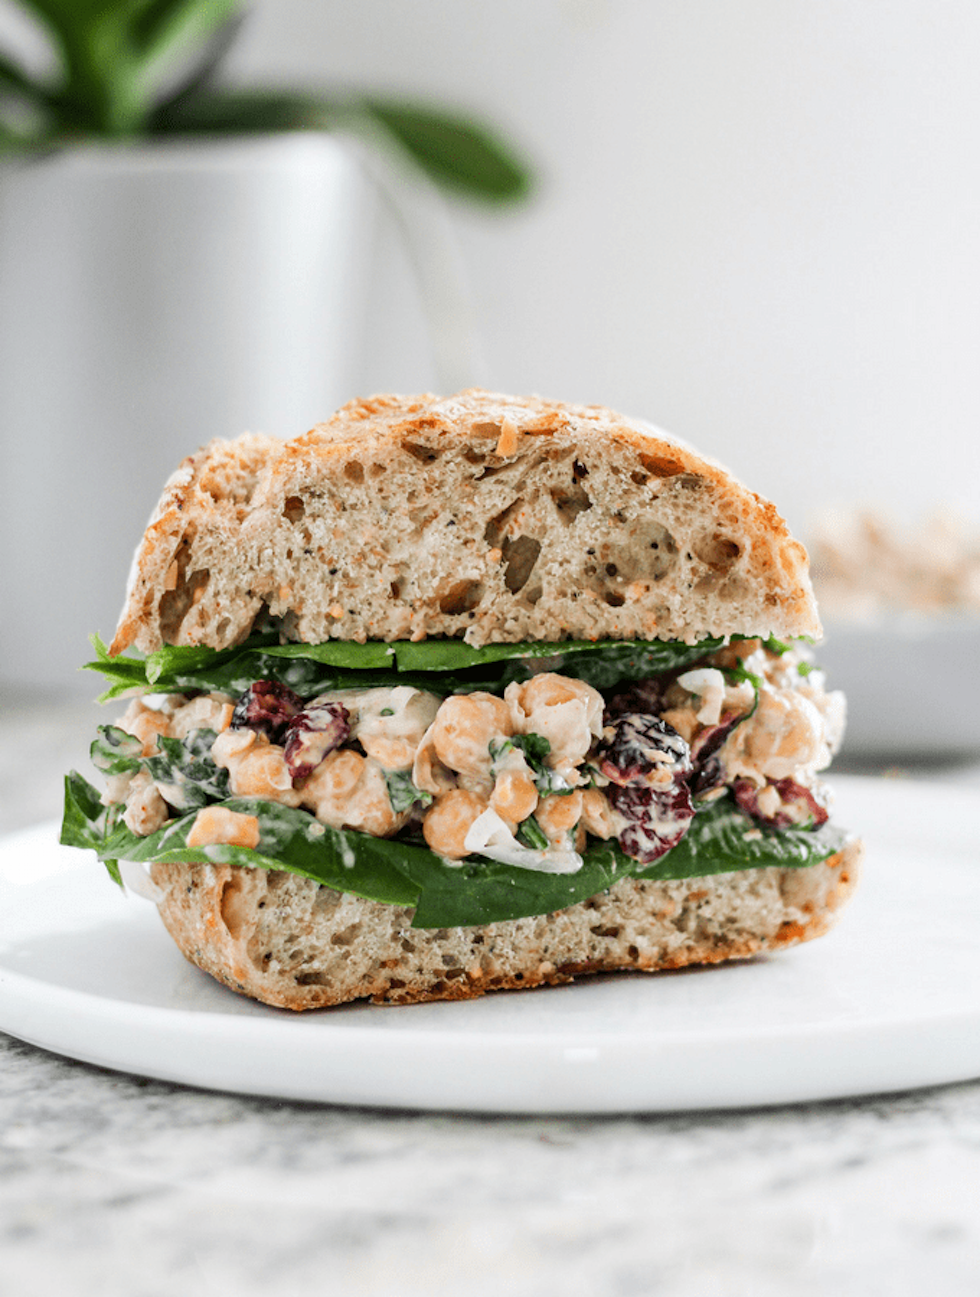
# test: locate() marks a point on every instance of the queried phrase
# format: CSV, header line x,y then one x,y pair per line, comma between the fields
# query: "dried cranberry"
x,y
647,763
638,696
657,818
709,773
313,734
268,707
797,805
638,748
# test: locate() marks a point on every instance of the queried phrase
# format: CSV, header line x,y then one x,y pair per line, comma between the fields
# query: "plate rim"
x,y
30,1010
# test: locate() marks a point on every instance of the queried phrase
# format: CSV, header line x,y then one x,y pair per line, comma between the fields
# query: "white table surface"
x,y
112,1184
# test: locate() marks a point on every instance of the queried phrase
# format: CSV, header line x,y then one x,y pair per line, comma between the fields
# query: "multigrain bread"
x,y
487,517
495,520
294,944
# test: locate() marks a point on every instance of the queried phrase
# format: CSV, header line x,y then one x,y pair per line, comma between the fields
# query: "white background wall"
x,y
757,224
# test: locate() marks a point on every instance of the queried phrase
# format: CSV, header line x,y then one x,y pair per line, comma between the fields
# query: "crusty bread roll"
x,y
492,519
489,517
295,944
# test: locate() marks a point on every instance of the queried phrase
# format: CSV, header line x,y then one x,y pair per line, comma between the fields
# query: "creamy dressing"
x,y
490,836
467,745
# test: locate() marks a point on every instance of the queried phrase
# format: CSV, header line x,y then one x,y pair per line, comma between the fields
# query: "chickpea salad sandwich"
x,y
459,694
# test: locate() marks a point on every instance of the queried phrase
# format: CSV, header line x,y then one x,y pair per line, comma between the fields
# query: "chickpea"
x,y
208,712
449,819
428,772
262,772
146,811
683,720
558,814
463,729
214,824
392,723
231,745
784,733
147,726
348,791
568,713
514,796
598,816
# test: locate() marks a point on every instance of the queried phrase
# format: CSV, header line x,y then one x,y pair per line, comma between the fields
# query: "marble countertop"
x,y
114,1184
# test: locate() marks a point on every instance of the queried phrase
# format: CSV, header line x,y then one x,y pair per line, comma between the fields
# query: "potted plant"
x,y
179,259
145,69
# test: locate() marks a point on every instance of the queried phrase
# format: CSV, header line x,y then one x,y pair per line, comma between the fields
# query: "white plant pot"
x,y
153,297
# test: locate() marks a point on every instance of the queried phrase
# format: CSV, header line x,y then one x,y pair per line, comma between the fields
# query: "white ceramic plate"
x,y
888,1001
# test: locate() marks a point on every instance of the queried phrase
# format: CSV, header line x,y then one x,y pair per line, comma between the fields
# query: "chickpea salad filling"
x,y
472,785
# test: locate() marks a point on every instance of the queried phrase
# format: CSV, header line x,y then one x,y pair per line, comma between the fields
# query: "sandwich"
x,y
452,695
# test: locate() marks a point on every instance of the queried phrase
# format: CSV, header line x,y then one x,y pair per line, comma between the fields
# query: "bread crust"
x,y
296,944
482,516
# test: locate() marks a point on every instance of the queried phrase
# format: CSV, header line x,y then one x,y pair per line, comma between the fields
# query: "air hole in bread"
x,y
520,556
461,598
493,532
354,470
490,470
570,501
234,907
601,931
347,936
312,979
424,454
176,604
717,551
613,600
294,508
486,428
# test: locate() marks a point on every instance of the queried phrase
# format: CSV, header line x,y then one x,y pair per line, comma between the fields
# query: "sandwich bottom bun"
x,y
297,944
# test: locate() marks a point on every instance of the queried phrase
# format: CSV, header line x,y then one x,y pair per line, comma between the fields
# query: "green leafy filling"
x,y
401,871
443,894
309,669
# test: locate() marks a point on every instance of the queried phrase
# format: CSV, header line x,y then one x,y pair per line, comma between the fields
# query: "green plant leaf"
x,y
456,151
160,27
242,112
16,82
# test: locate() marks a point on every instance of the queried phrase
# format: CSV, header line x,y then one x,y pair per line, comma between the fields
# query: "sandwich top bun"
x,y
487,517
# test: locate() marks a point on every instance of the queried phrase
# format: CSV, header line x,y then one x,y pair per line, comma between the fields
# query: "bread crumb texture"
x,y
296,944
481,516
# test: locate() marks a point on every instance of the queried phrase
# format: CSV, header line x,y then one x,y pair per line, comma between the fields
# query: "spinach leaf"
x,y
185,773
445,894
535,748
115,751
478,891
86,823
402,793
290,840
722,838
445,666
